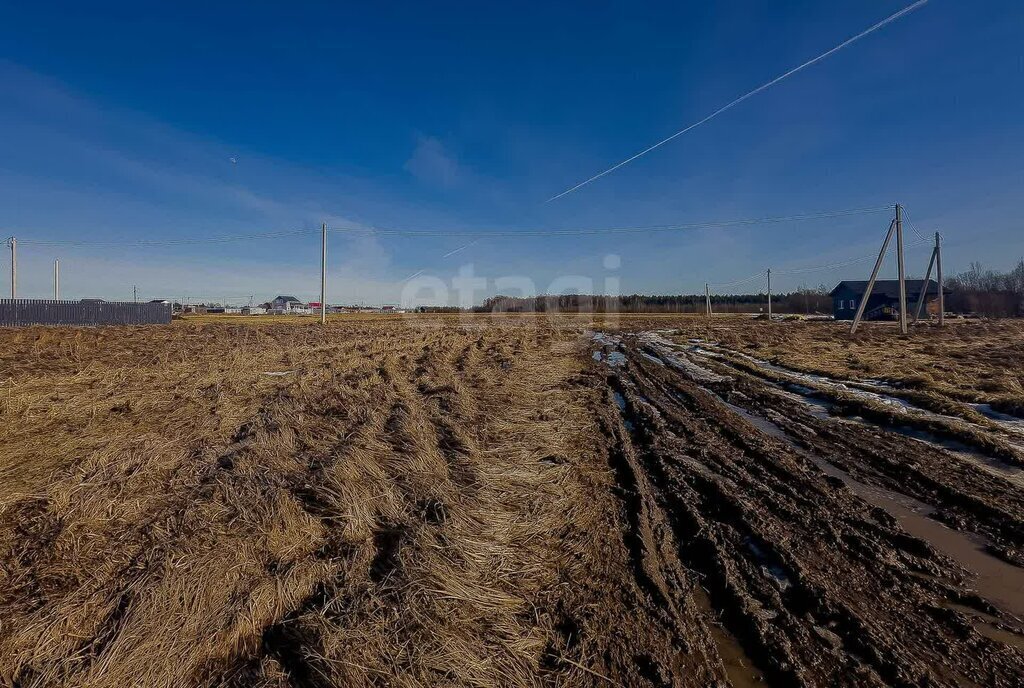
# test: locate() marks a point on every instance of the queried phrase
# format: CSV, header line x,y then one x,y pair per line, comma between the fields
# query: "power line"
x,y
751,278
891,18
386,231
168,242
913,227
716,224
844,263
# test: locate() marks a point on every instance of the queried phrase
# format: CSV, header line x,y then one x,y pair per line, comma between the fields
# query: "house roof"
x,y
889,288
287,298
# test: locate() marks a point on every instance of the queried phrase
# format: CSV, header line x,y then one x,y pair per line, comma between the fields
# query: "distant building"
x,y
884,302
253,310
288,305
285,303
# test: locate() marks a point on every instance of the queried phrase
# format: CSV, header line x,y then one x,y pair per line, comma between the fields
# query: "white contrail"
x,y
716,113
460,248
450,253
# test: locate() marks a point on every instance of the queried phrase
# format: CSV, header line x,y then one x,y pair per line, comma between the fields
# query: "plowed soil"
x,y
510,501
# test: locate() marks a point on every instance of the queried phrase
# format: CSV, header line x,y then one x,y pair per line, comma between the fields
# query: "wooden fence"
x,y
19,312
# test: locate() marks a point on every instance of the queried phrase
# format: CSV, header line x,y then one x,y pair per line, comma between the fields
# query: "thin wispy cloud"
x,y
888,20
432,164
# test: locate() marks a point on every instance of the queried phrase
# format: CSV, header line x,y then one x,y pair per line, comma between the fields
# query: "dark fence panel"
x,y
17,312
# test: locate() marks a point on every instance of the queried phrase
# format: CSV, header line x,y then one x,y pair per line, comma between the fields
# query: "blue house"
x,y
884,303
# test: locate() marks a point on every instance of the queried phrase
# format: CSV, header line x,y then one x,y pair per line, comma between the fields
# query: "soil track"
x,y
479,502
819,577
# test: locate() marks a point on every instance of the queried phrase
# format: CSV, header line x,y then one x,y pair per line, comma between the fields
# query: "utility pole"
x,y
900,269
938,277
707,299
13,243
769,294
923,296
56,279
135,294
874,275
323,275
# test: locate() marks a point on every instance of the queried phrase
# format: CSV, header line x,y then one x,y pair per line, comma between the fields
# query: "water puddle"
x,y
1000,635
823,410
616,359
994,579
817,407
992,466
874,389
658,347
762,424
989,626
605,339
1011,424
768,561
620,401
739,668
613,358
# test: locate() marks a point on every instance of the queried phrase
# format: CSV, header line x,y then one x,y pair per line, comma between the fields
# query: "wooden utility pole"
x,y
13,243
707,299
923,296
56,279
323,274
900,269
874,275
938,277
769,294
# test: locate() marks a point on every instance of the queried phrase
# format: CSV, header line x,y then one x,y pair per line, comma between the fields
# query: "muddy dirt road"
x,y
835,544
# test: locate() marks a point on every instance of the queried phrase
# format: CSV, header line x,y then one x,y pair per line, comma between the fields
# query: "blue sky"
x,y
120,121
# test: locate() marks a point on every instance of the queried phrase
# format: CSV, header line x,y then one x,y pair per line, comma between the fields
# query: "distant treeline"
x,y
804,300
983,292
987,292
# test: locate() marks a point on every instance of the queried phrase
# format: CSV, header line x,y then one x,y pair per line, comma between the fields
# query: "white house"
x,y
288,305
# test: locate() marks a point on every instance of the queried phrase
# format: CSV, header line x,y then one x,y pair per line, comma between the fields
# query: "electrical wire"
x,y
385,231
169,242
719,224
891,18
751,278
815,268
840,264
913,227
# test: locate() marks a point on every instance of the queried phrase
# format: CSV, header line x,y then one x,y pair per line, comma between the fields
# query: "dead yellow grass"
x,y
419,502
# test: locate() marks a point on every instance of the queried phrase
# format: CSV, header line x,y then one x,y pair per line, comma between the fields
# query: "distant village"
x,y
282,305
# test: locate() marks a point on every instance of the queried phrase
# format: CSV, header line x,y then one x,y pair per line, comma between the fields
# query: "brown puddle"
x,y
988,626
999,582
739,668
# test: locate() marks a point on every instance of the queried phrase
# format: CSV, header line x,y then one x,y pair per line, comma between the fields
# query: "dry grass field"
x,y
506,501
